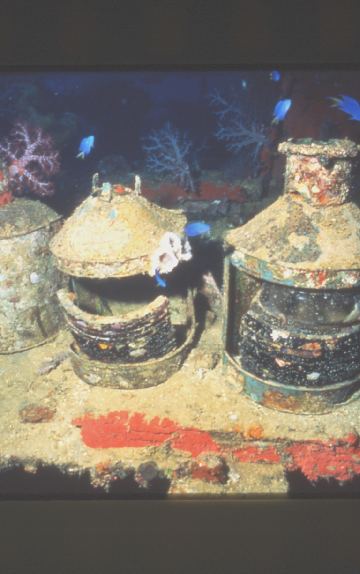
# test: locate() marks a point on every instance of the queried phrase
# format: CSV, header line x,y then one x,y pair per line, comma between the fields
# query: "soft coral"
x,y
29,155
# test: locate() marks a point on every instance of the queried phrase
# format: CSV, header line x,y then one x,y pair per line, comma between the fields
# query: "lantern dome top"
x,y
113,233
310,236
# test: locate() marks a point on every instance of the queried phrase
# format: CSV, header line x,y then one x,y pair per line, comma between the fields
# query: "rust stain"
x,y
308,350
313,346
274,399
255,432
307,402
34,413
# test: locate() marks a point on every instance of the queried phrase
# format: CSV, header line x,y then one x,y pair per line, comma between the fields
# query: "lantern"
x,y
29,279
129,330
292,277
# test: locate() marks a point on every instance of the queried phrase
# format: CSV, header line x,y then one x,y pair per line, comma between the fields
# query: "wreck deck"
x,y
197,433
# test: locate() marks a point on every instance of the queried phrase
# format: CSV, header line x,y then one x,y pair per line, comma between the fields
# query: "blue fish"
x,y
160,282
348,105
196,228
280,110
86,146
275,75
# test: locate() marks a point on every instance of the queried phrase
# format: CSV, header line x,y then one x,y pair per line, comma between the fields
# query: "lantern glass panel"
x,y
300,337
309,307
242,290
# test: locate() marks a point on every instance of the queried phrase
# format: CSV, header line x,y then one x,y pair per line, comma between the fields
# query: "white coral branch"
x,y
234,128
168,153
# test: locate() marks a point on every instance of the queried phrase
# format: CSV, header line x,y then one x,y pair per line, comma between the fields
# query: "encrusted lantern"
x,y
29,279
292,323
128,330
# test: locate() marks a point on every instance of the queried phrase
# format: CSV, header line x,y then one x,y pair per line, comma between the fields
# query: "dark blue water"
x,y
219,121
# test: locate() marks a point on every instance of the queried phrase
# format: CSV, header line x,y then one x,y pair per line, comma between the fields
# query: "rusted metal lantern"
x,y
128,331
29,279
292,276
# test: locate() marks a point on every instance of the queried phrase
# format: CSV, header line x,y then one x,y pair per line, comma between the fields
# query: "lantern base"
x,y
130,375
296,399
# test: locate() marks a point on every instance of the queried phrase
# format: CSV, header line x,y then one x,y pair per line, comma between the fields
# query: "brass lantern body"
x,y
292,326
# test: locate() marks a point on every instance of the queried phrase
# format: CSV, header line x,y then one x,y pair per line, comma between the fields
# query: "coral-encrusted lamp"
x,y
292,326
129,331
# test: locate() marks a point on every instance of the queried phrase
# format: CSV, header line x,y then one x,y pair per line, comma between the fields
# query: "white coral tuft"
x,y
170,252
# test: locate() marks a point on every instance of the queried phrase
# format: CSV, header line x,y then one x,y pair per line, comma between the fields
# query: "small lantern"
x,y
292,323
29,279
129,331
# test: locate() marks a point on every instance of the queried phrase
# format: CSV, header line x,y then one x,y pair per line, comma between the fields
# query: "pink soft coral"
x,y
30,155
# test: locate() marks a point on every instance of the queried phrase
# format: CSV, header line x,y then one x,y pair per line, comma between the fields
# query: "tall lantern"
x,y
292,276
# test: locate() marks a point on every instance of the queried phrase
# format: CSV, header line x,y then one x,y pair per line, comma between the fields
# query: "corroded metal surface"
x,y
137,336
320,171
114,237
298,354
294,336
138,373
308,237
299,399
336,148
22,216
295,243
287,398
131,375
29,310
117,236
293,352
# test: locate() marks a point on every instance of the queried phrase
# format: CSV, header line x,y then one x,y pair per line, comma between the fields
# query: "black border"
x,y
177,34
237,536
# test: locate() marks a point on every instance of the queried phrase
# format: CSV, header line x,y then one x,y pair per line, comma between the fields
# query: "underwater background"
x,y
219,129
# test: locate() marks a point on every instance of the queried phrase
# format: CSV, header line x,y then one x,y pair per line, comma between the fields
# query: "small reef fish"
x,y
348,105
196,228
275,76
86,146
160,282
244,84
280,110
